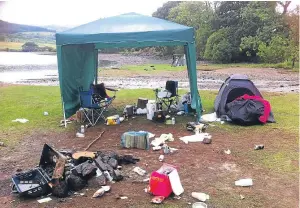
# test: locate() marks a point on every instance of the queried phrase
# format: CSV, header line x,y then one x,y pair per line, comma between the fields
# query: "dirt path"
x,y
202,168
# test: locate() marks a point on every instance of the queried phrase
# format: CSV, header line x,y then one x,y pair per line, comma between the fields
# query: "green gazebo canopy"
x,y
77,51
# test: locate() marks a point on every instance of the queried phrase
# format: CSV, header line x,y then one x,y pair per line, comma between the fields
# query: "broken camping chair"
x,y
168,96
95,102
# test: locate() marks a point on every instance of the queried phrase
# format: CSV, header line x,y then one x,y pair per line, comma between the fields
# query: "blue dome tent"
x,y
77,51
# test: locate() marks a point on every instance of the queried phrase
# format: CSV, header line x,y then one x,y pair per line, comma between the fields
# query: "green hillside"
x,y
8,28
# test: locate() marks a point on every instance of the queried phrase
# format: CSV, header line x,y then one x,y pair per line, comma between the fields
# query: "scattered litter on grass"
x,y
2,144
79,135
200,196
139,171
166,149
155,148
242,196
206,140
46,113
180,113
210,117
172,150
196,127
44,200
161,158
21,120
100,192
199,205
244,182
259,147
80,194
195,138
146,180
123,197
228,152
162,139
157,199
112,120
177,197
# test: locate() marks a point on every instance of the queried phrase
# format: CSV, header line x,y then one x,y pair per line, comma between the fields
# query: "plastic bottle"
x,y
200,196
173,120
82,129
244,182
161,158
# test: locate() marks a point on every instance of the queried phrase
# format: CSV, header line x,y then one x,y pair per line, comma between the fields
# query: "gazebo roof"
x,y
130,27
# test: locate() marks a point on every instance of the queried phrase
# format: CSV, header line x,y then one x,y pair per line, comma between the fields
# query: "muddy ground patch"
x,y
203,168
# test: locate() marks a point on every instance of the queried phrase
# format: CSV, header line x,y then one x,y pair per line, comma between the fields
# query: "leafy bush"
x,y
218,48
275,52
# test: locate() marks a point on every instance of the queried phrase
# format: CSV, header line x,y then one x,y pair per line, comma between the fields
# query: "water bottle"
x,y
244,182
82,129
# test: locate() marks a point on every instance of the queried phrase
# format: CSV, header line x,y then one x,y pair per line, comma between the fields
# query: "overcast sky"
x,y
76,12
71,13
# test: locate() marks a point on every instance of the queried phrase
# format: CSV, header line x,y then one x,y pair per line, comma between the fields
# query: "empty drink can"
x,y
259,147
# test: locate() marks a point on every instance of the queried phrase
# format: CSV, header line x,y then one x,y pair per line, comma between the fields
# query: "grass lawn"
x,y
276,160
11,45
31,101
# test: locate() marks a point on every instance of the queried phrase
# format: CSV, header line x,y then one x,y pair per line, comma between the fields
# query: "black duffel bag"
x,y
244,112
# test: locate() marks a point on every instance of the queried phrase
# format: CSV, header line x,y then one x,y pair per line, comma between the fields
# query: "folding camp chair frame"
x,y
96,109
167,101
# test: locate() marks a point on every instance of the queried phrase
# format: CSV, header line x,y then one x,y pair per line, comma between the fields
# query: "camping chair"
x,y
95,101
169,96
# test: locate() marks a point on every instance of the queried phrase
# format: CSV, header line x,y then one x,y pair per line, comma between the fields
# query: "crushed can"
x,y
259,147
166,149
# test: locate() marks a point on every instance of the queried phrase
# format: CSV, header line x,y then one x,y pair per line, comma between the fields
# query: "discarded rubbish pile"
x,y
61,172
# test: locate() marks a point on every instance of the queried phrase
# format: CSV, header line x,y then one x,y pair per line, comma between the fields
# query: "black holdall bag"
x,y
245,112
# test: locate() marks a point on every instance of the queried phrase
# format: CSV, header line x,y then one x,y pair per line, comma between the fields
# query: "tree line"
x,y
33,47
238,31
